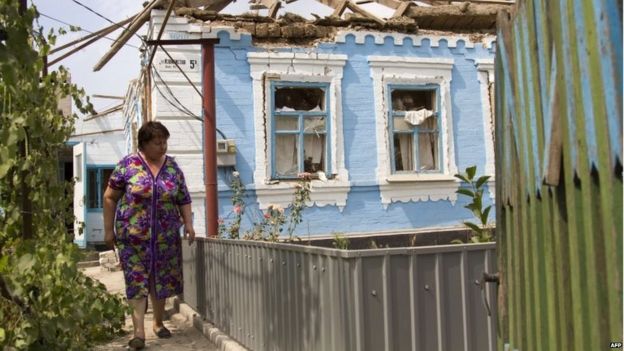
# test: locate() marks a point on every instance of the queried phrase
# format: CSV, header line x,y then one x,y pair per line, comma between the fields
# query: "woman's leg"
x,y
158,305
138,316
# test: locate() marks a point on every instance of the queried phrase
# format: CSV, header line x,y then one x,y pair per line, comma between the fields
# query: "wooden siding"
x,y
559,174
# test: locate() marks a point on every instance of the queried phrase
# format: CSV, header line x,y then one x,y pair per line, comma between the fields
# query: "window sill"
x,y
322,193
418,187
422,177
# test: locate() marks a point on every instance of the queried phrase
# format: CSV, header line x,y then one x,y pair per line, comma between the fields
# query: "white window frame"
x,y
400,70
485,75
297,67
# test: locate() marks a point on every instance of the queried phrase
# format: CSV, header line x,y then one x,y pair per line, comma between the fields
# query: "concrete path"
x,y
185,336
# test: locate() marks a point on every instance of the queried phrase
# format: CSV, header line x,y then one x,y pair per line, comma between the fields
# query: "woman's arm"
x,y
187,218
111,196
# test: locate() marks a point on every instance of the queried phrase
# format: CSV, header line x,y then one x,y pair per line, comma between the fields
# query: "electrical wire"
x,y
104,17
182,71
80,28
171,92
178,105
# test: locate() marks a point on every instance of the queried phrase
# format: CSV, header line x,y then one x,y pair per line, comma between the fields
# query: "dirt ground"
x,y
185,336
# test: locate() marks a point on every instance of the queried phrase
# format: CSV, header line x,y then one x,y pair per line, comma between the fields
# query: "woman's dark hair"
x,y
151,130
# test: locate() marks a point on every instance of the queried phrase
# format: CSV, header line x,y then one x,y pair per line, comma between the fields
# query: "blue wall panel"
x,y
364,211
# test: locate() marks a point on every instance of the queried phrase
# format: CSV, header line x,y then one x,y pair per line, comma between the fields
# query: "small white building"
x,y
93,150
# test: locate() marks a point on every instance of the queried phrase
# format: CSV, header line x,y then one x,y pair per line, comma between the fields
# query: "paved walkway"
x,y
185,336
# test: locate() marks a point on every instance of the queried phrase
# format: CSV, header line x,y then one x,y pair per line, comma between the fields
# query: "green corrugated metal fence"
x,y
559,174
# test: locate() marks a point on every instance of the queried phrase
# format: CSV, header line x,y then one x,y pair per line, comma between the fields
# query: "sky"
x,y
114,77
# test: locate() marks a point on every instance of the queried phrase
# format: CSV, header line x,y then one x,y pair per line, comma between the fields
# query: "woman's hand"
x,y
187,219
189,233
109,239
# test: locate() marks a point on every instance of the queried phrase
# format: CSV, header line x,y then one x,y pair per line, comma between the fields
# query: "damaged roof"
x,y
475,17
402,16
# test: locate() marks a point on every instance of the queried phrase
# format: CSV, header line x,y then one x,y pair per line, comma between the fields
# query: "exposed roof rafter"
x,y
272,5
403,7
340,5
139,20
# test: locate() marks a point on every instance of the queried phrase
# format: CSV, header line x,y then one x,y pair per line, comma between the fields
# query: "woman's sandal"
x,y
163,333
137,343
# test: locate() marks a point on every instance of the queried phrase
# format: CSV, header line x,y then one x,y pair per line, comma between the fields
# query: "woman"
x,y
149,194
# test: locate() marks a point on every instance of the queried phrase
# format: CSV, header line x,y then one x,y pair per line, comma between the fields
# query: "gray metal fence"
x,y
271,296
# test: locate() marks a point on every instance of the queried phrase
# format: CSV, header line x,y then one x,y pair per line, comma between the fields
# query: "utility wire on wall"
x,y
183,108
178,104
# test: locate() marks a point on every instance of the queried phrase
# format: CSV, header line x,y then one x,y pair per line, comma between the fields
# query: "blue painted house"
x,y
383,114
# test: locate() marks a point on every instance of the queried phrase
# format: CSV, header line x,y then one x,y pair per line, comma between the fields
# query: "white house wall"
x,y
363,208
103,148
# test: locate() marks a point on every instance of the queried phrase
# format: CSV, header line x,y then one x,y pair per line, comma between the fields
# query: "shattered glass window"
x,y
300,128
299,99
414,130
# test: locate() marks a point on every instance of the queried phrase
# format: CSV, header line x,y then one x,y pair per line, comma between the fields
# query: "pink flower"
x,y
267,215
237,209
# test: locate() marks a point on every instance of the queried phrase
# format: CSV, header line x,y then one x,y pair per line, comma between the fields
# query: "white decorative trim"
x,y
485,75
419,191
182,28
412,70
489,41
299,67
487,66
212,32
418,177
321,194
399,38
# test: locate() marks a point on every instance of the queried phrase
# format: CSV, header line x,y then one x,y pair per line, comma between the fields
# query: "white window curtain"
x,y
405,154
314,148
427,151
286,155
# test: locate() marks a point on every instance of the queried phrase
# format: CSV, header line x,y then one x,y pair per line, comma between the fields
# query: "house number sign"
x,y
188,64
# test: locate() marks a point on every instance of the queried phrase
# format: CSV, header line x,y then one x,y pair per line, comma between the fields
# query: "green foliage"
x,y
271,224
45,302
238,205
62,309
482,232
340,241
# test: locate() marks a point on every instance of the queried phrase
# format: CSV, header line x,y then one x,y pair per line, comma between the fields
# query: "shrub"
x,y
482,232
45,302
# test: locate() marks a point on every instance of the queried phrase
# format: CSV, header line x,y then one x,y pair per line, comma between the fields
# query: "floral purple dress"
x,y
147,225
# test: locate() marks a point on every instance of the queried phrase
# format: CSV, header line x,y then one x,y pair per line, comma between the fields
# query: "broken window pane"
x,y
299,99
403,152
287,123
427,151
314,124
286,155
314,152
412,100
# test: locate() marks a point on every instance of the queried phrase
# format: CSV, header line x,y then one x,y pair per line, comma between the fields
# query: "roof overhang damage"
x,y
474,17
408,17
